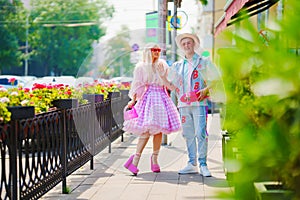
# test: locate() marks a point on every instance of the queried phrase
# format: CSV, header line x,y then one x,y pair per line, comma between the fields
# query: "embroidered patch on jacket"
x,y
183,119
196,86
195,74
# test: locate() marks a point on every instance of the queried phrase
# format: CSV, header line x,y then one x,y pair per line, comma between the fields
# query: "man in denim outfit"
x,y
192,74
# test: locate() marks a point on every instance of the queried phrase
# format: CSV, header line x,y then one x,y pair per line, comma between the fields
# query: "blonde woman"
x,y
157,114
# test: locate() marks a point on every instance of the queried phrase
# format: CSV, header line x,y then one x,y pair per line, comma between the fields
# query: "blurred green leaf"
x,y
261,78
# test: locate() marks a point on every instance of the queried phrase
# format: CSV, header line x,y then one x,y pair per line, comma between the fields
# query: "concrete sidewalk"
x,y
111,181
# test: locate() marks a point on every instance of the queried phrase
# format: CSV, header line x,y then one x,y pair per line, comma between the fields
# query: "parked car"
x,y
6,83
121,79
66,80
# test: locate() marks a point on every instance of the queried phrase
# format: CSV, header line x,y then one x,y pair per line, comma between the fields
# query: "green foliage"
x,y
263,102
12,29
118,54
204,2
67,190
62,32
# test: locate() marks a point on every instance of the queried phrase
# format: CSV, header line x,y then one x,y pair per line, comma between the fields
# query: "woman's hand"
x,y
161,69
130,104
163,73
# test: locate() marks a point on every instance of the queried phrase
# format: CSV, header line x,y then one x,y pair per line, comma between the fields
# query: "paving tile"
x,y
136,191
109,180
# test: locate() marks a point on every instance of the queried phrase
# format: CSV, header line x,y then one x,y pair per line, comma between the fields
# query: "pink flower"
x,y
24,102
4,100
12,80
2,89
14,93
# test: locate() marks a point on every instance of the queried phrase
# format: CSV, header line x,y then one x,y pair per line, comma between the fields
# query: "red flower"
x,y
126,84
38,86
26,90
69,92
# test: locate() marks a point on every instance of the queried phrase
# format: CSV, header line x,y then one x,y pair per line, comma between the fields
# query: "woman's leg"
x,y
157,138
143,139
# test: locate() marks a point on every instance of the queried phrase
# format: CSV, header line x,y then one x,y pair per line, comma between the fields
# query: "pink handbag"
x,y
130,113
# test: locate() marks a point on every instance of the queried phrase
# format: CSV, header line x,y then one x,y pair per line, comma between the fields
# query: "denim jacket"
x,y
198,80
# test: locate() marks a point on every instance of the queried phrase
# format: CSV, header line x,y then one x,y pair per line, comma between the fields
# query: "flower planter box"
x,y
271,190
231,154
93,98
225,138
65,103
21,112
124,93
112,95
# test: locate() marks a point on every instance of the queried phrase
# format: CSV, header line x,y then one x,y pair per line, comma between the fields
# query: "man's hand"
x,y
202,94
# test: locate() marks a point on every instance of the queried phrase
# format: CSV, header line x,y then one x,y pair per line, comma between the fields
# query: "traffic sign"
x,y
135,47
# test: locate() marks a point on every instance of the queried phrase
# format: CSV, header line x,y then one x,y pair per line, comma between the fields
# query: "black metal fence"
x,y
38,153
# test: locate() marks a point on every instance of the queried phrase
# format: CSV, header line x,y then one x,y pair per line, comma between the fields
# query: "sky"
x,y
133,14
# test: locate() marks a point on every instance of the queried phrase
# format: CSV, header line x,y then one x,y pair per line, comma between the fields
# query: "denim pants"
x,y
193,120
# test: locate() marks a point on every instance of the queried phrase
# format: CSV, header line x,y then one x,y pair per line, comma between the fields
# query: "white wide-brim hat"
x,y
187,35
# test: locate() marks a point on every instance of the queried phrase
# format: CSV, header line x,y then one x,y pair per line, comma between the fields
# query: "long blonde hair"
x,y
147,59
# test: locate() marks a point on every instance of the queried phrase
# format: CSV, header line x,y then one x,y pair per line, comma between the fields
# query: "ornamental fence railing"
x,y
40,152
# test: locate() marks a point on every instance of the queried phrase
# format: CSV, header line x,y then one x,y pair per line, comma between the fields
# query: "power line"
x,y
50,21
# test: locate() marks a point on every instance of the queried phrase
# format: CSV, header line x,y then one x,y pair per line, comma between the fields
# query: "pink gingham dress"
x,y
156,111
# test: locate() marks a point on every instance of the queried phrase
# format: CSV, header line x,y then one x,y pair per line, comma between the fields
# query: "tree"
x,y
118,54
12,29
63,32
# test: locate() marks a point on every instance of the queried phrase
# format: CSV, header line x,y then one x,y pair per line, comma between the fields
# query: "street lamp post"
x,y
174,48
26,48
162,13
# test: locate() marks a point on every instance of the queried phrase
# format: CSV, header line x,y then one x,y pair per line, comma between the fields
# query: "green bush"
x,y
261,79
